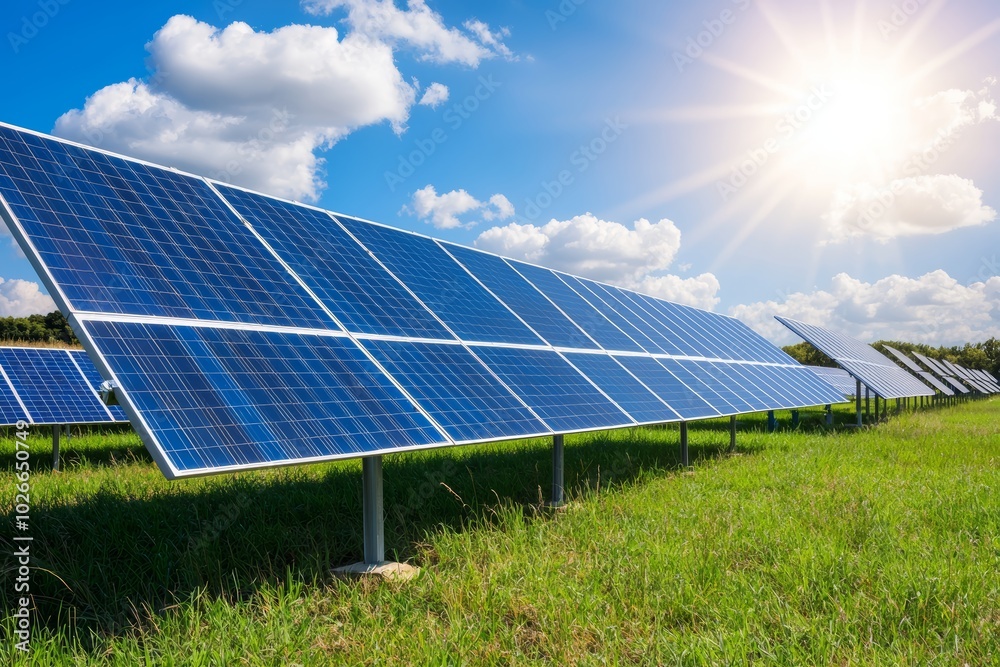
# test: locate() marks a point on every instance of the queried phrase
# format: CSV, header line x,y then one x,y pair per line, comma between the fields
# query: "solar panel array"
x,y
942,372
246,331
838,378
921,373
875,370
50,386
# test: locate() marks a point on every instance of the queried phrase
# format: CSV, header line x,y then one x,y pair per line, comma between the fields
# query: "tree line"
x,y
52,329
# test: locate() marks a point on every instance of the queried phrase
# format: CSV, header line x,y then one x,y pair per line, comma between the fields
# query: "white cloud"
x,y
934,309
699,291
435,95
911,206
588,246
254,108
419,27
442,211
909,199
21,297
607,251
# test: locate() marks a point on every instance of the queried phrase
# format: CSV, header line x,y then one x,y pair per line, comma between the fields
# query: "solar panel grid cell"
x,y
51,387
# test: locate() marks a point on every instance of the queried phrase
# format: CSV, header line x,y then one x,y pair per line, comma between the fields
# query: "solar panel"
x,y
93,377
442,284
906,361
837,378
681,398
51,387
956,384
11,409
862,361
457,390
553,389
244,331
932,364
225,398
349,281
119,236
520,296
937,384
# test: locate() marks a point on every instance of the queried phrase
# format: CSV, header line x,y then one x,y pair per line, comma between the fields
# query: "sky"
x,y
833,162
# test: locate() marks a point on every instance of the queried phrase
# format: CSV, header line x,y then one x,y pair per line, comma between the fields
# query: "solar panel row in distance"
x,y
51,386
862,361
245,331
942,372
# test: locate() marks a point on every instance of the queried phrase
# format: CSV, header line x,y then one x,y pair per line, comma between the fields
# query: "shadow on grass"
x,y
108,561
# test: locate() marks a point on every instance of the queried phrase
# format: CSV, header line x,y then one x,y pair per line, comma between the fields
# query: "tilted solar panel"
x,y
937,384
836,377
51,386
245,331
862,361
905,360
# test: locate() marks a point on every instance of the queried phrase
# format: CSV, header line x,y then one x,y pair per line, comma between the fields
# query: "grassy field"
x,y
805,547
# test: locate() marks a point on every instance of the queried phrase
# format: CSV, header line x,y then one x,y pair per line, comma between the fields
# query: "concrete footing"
x,y
386,570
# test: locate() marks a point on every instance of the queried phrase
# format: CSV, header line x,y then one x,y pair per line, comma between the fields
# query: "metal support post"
x,y
876,409
772,423
558,468
374,517
732,433
829,415
795,418
685,455
868,404
56,430
857,401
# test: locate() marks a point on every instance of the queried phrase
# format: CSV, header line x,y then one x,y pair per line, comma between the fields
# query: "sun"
x,y
859,131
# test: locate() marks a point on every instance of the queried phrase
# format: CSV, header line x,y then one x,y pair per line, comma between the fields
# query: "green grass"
x,y
808,546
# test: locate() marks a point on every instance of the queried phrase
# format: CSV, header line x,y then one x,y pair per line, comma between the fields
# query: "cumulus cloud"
x,y
22,297
254,107
607,251
435,95
909,206
935,309
419,27
587,246
909,199
443,211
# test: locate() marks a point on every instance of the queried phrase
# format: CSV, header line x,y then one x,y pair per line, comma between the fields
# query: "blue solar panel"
x,y
874,369
461,394
219,398
674,393
51,386
632,396
346,278
837,378
122,237
576,308
521,297
748,386
442,284
11,411
937,384
613,310
683,373
93,376
905,360
556,391
709,374
649,319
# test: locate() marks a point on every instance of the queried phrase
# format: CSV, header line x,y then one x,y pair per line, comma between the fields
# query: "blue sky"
x,y
833,162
